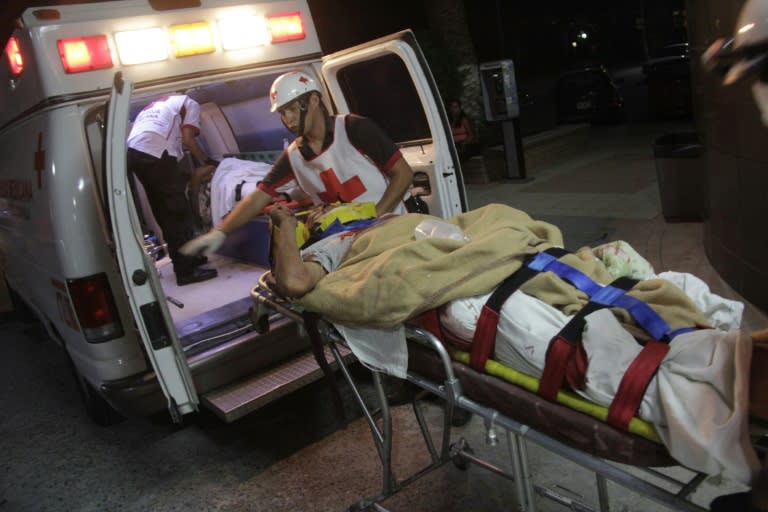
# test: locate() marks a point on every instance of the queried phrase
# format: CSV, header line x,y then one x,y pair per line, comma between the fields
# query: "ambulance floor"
x,y
234,282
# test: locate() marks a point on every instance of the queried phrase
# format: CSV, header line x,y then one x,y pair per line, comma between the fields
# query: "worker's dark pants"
x,y
165,188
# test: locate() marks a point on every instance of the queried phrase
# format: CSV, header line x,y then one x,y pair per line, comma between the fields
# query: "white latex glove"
x,y
204,245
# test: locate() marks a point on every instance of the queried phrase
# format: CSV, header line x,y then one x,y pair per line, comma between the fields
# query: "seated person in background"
x,y
464,134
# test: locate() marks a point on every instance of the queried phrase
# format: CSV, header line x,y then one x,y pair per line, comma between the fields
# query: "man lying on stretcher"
x,y
500,231
295,272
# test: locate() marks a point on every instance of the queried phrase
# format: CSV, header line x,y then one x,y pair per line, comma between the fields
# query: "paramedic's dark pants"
x,y
165,188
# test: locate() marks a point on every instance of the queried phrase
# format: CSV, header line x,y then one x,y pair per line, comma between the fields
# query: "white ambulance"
x,y
77,243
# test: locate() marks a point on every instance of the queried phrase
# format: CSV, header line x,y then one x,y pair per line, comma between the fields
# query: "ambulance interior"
x,y
235,123
238,130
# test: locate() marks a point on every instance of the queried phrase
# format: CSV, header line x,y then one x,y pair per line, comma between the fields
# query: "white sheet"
x,y
698,399
229,174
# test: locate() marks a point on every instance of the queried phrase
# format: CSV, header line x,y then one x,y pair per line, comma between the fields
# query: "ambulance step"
x,y
235,401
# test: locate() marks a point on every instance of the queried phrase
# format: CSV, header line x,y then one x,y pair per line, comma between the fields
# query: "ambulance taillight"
x,y
79,54
13,53
286,27
95,308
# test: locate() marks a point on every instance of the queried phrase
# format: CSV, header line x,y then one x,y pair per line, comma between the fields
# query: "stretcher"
x,y
612,454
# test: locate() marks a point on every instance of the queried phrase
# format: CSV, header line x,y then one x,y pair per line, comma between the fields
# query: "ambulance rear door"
x,y
388,80
139,275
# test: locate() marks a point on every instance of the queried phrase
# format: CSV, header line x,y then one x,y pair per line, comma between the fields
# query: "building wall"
x,y
736,161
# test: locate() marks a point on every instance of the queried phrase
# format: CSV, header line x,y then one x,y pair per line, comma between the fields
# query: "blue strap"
x,y
646,317
608,295
337,227
544,262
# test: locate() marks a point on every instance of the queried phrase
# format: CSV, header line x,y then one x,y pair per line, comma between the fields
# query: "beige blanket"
x,y
388,276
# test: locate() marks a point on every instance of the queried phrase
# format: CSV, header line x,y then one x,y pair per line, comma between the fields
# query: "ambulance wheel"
x,y
97,408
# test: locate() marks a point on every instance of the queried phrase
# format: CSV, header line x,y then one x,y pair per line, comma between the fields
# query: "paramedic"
x,y
154,150
334,158
745,58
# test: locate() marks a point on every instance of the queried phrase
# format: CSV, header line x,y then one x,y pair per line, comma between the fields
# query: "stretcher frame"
x,y
647,482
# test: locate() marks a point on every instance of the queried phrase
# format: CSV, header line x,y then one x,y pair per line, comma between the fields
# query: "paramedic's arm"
x,y
294,277
400,179
245,210
189,139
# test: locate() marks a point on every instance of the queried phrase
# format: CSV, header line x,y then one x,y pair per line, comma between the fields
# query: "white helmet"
x,y
289,87
745,54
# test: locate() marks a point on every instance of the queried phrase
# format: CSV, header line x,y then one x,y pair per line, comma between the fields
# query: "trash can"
x,y
681,176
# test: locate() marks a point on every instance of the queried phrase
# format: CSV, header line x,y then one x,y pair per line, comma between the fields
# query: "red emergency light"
x,y
286,27
15,60
79,54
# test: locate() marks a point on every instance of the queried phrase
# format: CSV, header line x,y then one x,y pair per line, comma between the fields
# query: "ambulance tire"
x,y
97,408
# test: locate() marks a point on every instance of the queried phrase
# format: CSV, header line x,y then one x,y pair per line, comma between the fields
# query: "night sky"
x,y
536,35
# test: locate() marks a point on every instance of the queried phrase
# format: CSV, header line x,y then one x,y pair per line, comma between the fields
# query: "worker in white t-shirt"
x,y
155,146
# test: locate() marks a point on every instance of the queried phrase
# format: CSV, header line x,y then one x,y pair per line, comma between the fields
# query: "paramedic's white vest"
x,y
340,173
157,128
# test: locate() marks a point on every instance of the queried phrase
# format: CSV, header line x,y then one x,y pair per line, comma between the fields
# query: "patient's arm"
x,y
294,277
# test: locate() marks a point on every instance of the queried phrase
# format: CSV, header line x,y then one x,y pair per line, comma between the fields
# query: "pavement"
x,y
291,455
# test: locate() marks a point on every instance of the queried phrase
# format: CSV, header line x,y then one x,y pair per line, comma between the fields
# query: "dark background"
x,y
536,35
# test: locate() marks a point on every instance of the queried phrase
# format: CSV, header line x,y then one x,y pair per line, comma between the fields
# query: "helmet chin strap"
x,y
303,107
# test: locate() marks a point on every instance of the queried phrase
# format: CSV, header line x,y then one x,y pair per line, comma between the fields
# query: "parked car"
x,y
588,94
668,75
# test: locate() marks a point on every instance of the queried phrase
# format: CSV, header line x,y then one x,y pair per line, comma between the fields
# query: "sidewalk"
x,y
601,186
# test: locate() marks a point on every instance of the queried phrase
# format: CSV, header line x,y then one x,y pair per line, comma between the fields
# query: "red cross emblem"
x,y
39,160
303,79
335,190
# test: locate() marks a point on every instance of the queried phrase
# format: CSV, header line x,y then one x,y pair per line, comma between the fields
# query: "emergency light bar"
x,y
141,46
154,44
80,54
12,52
192,39
286,27
243,32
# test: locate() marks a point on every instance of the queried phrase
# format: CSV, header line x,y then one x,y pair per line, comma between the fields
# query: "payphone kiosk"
x,y
499,87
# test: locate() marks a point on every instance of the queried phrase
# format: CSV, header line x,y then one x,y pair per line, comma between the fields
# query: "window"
x,y
383,90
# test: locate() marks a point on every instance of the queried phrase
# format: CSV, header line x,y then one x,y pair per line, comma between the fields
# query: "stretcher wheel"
x,y
458,450
259,321
460,417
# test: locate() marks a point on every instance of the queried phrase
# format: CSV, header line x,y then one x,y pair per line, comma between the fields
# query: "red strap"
x,y
430,320
484,339
559,353
635,382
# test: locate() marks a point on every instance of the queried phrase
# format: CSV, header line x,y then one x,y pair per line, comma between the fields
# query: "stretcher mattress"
x,y
576,429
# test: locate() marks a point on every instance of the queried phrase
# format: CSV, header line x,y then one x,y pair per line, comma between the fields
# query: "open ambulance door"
x,y
137,270
388,80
